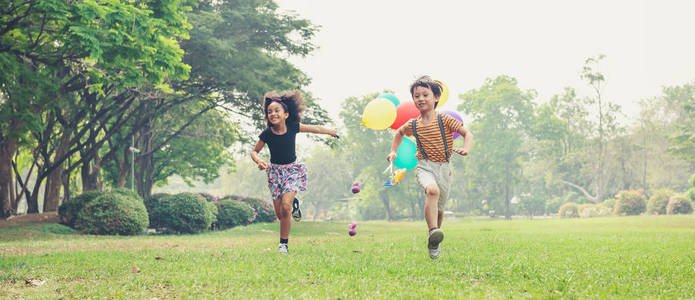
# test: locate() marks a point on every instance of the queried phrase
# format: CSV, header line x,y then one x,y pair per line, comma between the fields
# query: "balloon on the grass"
x,y
404,112
391,98
445,93
456,116
405,156
379,114
352,232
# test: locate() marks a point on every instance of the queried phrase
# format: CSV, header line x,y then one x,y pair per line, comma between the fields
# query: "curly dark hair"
x,y
291,101
427,82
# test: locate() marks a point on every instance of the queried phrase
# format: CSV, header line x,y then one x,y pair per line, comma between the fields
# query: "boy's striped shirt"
x,y
431,137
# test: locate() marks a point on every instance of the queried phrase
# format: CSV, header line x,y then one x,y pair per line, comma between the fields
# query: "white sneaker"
x,y
434,253
283,249
434,238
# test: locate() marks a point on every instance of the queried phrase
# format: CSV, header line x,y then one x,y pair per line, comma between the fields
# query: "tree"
x,y
502,115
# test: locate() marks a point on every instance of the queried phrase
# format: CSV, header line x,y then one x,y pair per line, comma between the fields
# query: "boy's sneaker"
x,y
433,239
296,212
283,249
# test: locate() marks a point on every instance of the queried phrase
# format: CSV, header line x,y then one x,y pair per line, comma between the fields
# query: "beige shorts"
x,y
428,172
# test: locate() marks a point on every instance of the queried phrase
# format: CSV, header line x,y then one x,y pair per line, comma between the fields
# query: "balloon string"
x,y
389,169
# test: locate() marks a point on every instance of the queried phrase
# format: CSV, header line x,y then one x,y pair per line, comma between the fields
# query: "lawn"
x,y
627,257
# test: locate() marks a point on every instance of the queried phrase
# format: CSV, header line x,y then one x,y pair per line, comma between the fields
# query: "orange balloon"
x,y
404,112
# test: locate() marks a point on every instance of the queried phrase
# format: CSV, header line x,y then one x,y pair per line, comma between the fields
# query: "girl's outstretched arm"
x,y
262,165
317,129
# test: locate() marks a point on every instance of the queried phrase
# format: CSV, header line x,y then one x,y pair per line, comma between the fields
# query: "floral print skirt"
x,y
286,178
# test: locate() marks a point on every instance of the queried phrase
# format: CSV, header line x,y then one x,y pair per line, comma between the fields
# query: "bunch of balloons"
x,y
386,111
395,178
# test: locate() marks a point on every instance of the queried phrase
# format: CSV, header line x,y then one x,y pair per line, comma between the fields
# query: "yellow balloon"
x,y
379,114
445,93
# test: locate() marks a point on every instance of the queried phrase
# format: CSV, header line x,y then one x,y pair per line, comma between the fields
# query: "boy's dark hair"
x,y
427,82
291,101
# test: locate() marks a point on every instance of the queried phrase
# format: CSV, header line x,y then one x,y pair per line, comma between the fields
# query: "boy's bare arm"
x,y
317,129
397,139
467,142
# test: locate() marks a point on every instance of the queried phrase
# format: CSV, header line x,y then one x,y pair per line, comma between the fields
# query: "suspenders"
x,y
441,129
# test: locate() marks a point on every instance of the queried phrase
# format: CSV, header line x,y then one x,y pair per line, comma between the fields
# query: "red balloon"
x,y
404,112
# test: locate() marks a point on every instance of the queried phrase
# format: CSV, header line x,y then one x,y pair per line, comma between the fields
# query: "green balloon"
x,y
390,97
405,156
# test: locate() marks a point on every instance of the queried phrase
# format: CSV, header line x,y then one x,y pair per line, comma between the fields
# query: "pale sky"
x,y
369,46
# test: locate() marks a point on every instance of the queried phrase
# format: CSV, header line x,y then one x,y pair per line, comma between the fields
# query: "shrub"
x,y
159,209
588,210
657,203
128,193
56,229
112,213
187,213
264,209
553,205
69,209
233,213
629,203
569,210
691,194
605,208
575,198
679,205
209,197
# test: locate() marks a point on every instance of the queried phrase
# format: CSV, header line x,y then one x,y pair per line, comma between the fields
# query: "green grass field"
x,y
629,257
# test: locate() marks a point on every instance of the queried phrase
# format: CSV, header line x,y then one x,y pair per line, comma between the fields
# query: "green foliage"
x,y
569,210
263,209
159,209
233,213
503,116
629,203
554,204
683,138
588,210
691,194
127,193
68,210
606,207
187,213
679,205
57,229
658,201
112,213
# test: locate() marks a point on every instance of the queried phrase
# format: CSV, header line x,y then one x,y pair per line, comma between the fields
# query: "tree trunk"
x,y
66,187
122,166
90,176
145,163
55,178
7,149
385,200
507,193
